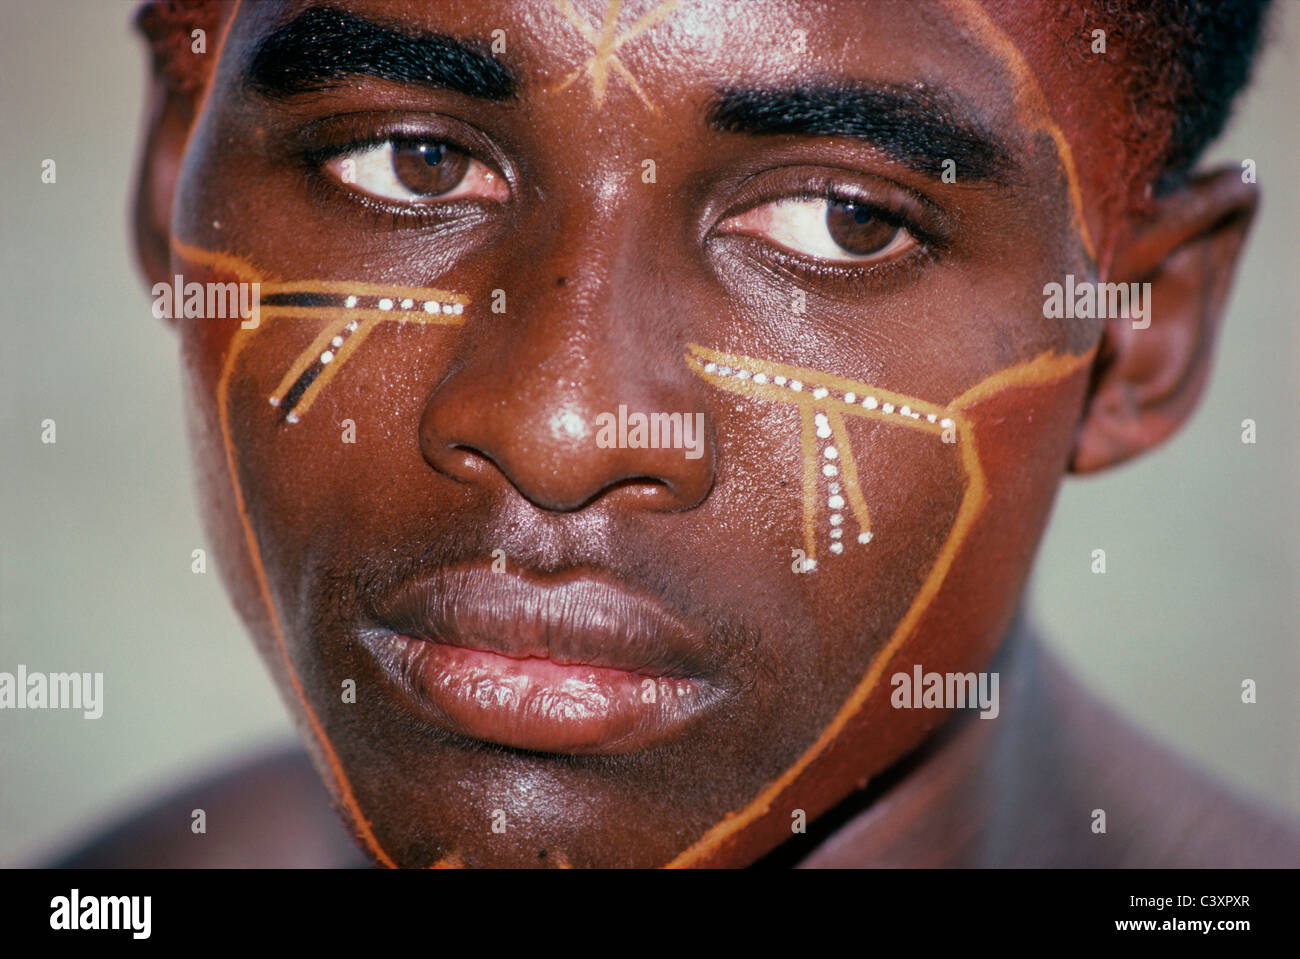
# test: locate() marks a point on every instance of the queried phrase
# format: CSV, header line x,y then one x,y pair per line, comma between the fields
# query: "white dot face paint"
x,y
319,303
883,407
826,401
325,321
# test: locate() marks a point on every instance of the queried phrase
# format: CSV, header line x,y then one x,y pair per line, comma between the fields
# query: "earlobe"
x,y
1149,374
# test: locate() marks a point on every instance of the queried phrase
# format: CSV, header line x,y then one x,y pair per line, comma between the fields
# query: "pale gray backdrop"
x,y
1201,538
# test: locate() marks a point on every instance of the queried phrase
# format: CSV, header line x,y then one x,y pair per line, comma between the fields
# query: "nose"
x,y
577,394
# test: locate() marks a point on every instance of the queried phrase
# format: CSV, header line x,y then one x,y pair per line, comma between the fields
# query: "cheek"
x,y
204,347
280,394
964,527
935,537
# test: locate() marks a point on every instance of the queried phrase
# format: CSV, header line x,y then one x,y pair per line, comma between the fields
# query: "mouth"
x,y
569,664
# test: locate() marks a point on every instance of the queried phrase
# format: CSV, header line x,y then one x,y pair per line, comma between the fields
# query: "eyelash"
x,y
884,277
324,188
868,277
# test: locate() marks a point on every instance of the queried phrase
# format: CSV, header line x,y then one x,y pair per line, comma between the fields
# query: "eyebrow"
x,y
323,47
918,128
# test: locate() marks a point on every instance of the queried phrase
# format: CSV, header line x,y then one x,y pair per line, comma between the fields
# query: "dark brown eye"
x,y
416,173
822,228
859,229
428,169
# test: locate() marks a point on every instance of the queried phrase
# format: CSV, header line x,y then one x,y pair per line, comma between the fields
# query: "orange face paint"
x,y
827,403
823,401
605,42
312,301
828,392
831,413
1031,104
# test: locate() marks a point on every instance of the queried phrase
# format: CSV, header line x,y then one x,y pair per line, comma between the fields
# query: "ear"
x,y
170,116
1146,382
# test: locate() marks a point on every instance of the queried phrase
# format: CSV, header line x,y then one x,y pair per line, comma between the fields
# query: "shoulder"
x,y
270,811
1077,767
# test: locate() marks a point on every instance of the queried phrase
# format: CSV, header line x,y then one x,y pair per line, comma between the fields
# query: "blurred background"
x,y
1202,538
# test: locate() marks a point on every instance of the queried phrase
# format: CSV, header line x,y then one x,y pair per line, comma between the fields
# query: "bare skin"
x,y
1015,793
476,435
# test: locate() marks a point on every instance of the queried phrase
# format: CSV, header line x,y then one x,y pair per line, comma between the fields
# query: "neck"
x,y
942,804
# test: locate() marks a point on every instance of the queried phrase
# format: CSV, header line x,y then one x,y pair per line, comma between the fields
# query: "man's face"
x,y
511,641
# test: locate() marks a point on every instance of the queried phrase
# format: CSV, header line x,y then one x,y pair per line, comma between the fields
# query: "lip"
x,y
573,663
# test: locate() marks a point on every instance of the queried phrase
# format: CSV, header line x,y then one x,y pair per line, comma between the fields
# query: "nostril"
x,y
558,453
644,488
471,461
650,493
647,491
463,462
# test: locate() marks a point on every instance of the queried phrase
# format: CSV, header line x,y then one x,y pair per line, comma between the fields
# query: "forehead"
x,y
679,50
605,77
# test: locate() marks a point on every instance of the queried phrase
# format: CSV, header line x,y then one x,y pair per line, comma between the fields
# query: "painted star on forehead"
x,y
605,46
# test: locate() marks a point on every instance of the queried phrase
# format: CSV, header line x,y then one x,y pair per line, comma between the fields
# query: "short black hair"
x,y
1187,61
1222,37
